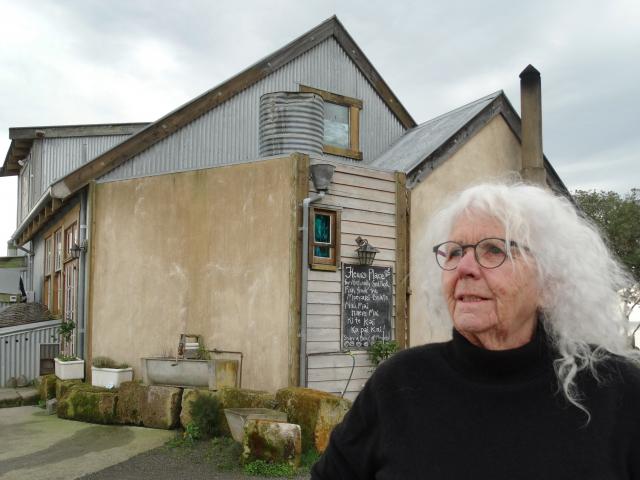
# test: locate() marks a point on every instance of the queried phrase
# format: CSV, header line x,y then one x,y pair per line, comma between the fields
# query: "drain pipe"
x,y
304,291
321,175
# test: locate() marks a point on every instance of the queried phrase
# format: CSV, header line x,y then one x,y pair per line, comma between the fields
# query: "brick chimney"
x,y
532,168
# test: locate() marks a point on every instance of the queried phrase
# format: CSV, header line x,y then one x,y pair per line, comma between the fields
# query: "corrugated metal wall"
x,y
20,349
229,133
367,198
53,158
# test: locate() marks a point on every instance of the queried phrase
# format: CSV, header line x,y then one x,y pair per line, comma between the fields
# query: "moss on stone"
x,y
273,442
47,387
63,386
88,404
315,411
149,406
130,399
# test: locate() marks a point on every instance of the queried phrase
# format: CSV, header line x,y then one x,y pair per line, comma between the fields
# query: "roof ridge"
x,y
493,95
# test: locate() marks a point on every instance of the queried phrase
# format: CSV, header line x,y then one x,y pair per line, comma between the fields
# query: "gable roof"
x,y
193,109
22,139
417,144
423,148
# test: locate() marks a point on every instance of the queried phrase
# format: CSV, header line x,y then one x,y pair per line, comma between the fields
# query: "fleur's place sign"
x,y
367,298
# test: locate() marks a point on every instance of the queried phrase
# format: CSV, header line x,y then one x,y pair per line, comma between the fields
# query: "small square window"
x,y
324,239
341,123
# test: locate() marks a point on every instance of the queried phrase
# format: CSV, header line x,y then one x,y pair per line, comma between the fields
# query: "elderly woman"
x,y
538,381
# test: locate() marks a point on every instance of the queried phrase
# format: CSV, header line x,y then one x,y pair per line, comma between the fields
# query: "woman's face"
x,y
492,308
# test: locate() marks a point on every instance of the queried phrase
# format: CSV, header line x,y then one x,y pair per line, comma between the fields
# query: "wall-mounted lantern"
x,y
366,252
76,249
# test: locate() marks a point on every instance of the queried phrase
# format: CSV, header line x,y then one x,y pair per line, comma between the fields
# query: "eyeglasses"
x,y
489,253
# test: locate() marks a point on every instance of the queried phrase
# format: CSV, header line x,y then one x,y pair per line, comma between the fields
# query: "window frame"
x,y
355,107
323,263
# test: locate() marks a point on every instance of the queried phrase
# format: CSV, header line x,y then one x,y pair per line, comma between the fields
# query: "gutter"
x,y
46,198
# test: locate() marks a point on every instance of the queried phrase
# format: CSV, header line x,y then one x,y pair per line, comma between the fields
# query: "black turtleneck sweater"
x,y
453,411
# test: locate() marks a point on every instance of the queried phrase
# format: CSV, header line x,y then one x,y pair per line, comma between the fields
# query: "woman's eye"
x,y
456,252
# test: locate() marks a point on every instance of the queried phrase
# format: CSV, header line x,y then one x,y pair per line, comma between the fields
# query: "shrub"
x,y
205,414
261,468
381,350
106,362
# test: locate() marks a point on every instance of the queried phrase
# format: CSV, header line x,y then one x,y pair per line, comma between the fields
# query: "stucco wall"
x,y
492,153
204,252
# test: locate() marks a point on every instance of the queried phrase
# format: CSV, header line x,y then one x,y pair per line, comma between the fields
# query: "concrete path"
x,y
38,446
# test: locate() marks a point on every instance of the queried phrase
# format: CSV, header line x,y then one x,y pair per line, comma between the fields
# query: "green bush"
x,y
381,350
261,468
205,414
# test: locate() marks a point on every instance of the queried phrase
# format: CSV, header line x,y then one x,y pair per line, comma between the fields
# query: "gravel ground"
x,y
202,461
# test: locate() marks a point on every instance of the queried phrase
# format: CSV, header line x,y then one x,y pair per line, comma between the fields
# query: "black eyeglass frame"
x,y
512,243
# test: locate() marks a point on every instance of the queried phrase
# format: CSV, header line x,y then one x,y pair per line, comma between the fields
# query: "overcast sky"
x,y
97,61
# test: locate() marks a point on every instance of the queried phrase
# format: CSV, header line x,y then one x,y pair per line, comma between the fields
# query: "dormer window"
x,y
341,123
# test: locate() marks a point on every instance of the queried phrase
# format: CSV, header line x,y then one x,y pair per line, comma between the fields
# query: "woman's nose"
x,y
468,265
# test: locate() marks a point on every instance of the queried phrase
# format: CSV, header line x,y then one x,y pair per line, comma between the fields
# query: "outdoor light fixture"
x,y
77,249
366,252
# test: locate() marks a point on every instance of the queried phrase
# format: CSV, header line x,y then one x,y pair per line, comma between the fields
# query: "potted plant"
x,y
67,365
107,373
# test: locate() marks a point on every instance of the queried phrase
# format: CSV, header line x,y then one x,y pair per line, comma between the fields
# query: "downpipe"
x,y
304,291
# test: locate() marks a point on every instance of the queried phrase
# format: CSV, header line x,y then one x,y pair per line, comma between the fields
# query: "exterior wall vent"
x,y
291,122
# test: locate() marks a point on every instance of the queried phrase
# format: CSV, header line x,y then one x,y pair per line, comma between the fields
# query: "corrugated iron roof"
x,y
420,142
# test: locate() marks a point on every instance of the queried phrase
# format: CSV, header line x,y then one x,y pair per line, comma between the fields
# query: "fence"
x,y
20,351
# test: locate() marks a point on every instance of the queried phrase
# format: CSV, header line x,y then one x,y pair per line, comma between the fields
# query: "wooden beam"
x,y
68,131
301,177
402,260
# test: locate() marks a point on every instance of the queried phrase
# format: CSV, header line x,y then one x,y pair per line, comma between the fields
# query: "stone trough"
x,y
237,419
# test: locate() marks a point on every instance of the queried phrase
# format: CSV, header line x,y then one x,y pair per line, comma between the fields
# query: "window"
x,y
60,268
341,123
324,239
48,263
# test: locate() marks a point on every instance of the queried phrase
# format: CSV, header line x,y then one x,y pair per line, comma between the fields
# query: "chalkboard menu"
x,y
367,298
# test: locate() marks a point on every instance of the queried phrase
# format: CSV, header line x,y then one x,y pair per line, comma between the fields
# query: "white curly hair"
x,y
578,275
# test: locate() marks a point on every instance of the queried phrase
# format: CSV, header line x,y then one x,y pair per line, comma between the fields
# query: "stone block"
x,y
9,398
52,406
47,386
63,386
273,442
316,412
161,407
149,406
130,403
29,396
88,404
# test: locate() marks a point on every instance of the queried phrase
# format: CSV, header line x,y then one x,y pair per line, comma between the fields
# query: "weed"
x,y
308,459
106,362
261,468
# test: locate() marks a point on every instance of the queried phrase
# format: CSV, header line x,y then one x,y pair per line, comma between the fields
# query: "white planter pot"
x,y
69,370
110,377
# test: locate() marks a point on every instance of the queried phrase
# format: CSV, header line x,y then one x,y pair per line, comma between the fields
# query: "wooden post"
x,y
402,260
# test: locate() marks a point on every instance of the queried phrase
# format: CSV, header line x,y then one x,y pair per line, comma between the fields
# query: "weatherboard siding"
x,y
229,132
367,201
